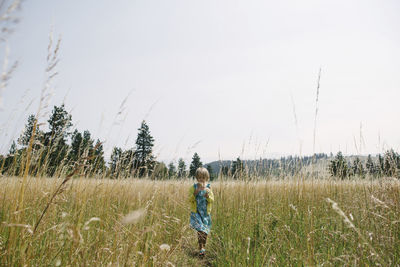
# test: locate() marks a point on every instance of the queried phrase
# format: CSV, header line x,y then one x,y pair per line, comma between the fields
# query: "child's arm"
x,y
192,198
210,199
199,188
209,195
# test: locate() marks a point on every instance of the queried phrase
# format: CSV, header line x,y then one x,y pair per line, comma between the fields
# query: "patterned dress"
x,y
201,220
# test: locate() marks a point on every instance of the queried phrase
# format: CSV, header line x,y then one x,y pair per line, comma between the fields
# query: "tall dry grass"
x,y
101,222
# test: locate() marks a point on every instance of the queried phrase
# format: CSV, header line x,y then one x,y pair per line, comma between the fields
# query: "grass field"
x,y
145,223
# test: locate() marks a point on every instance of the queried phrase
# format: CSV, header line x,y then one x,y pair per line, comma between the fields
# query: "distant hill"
x,y
317,165
274,167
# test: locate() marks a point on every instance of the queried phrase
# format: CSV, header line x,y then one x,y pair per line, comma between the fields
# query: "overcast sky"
x,y
221,78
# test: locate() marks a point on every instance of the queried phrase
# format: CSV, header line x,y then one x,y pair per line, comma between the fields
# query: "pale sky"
x,y
220,78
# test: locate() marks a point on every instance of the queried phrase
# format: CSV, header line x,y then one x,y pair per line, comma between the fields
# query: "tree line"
x,y
387,165
56,151
59,151
280,168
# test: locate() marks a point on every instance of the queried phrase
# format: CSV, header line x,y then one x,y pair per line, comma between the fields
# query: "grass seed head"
x,y
165,247
134,216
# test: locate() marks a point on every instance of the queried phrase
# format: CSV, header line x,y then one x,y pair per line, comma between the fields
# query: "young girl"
x,y
201,198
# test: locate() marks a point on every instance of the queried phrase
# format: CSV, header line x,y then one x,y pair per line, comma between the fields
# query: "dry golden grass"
x,y
125,222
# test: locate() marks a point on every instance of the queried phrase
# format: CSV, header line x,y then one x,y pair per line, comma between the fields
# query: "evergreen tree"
x,y
333,167
12,161
76,142
60,122
25,137
13,149
358,168
181,168
87,142
381,165
99,164
144,159
171,170
115,162
237,168
339,167
55,139
196,163
391,163
87,148
370,166
82,151
24,140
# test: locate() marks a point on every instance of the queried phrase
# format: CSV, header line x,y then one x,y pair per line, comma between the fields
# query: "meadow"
x,y
74,219
140,222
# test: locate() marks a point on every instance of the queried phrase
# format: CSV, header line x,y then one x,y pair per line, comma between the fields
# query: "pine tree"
x,y
358,168
12,161
87,148
99,164
171,170
60,122
370,166
76,142
115,162
237,168
196,163
181,168
381,165
144,159
55,139
13,149
339,167
82,151
25,137
87,141
391,162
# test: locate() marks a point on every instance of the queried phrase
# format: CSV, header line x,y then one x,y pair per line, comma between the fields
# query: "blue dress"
x,y
201,221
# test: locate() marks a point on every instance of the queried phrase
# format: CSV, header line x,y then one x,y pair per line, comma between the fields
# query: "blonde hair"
x,y
202,173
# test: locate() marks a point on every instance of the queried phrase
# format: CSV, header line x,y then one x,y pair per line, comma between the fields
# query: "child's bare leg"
x,y
203,239
200,239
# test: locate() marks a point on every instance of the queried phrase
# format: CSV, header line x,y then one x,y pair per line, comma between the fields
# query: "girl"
x,y
201,198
